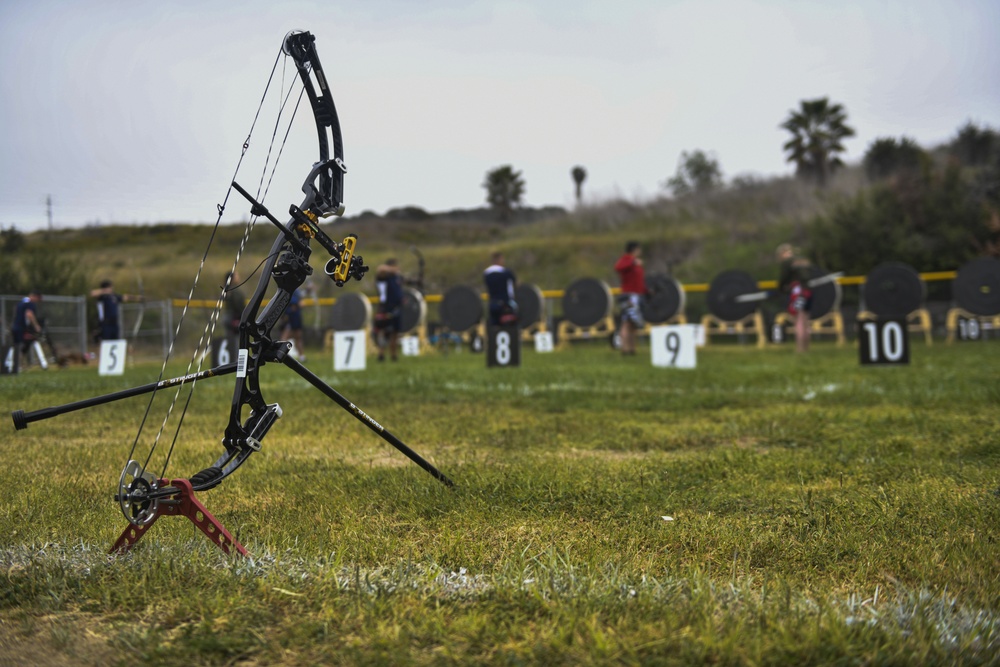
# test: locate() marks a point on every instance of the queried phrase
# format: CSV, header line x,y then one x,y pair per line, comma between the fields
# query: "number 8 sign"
x,y
503,347
673,346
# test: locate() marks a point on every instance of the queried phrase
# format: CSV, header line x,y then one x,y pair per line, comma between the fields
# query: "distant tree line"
x,y
935,215
22,270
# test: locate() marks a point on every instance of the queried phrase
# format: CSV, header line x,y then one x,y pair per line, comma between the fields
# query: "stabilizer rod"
x,y
22,418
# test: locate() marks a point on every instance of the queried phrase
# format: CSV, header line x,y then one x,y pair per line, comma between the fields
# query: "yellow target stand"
x,y
567,331
751,324
528,332
647,327
955,314
918,321
830,324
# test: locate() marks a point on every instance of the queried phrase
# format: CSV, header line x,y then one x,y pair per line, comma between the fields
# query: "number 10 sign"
x,y
673,346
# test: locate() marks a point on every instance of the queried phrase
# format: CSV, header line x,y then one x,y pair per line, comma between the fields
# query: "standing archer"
x,y
500,285
633,290
108,311
27,328
793,280
388,317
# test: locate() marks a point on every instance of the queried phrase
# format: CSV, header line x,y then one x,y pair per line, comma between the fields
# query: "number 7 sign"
x,y
349,353
673,346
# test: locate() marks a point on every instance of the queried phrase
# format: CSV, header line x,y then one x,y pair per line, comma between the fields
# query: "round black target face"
x,y
825,294
893,289
461,308
530,305
351,312
413,310
976,288
664,300
723,291
587,301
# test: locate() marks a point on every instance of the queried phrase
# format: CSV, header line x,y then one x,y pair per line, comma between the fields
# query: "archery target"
x,y
826,295
413,311
724,289
893,290
976,288
665,299
587,301
351,312
530,305
461,308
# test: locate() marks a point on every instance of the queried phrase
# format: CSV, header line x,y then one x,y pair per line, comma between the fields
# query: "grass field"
x,y
819,513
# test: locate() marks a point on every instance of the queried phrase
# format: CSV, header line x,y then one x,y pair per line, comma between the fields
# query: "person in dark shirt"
x,y
500,285
108,311
793,280
27,327
633,289
389,283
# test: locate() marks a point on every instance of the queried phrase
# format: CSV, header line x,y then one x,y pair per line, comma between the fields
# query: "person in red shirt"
x,y
633,289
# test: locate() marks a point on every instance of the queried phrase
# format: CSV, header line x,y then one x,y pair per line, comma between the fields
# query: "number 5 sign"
x,y
112,360
673,346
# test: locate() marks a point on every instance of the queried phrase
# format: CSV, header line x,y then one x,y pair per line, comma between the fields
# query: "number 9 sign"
x,y
673,346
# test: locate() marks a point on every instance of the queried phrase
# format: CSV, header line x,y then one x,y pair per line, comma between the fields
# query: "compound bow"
x,y
140,493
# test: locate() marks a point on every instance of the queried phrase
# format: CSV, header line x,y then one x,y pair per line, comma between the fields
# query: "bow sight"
x,y
143,496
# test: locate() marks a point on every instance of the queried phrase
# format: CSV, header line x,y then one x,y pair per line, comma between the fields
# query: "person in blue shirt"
x,y
26,328
108,311
389,283
500,285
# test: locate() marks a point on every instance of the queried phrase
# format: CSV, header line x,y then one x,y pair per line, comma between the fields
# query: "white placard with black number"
x,y
674,346
349,352
503,347
544,341
8,360
112,359
884,342
699,334
410,346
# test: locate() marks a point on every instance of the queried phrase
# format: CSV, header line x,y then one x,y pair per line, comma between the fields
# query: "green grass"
x,y
823,513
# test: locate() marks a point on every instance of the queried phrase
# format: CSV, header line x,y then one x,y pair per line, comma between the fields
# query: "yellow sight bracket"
x,y
341,272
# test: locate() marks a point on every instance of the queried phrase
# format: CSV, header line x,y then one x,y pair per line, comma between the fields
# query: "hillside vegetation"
x,y
693,237
935,216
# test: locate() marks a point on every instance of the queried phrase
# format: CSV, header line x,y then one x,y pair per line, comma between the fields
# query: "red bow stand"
x,y
183,503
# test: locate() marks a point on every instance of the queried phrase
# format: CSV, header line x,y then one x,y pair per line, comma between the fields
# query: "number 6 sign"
x,y
673,346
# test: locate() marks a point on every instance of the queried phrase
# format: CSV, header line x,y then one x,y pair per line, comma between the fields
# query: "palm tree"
x,y
579,176
818,129
504,189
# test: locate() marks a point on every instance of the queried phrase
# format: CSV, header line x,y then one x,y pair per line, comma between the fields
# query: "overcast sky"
x,y
136,111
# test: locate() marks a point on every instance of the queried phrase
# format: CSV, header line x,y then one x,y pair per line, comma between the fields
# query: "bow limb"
x,y
324,187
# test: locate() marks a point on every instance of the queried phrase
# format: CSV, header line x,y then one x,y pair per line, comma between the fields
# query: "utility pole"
x,y
48,209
